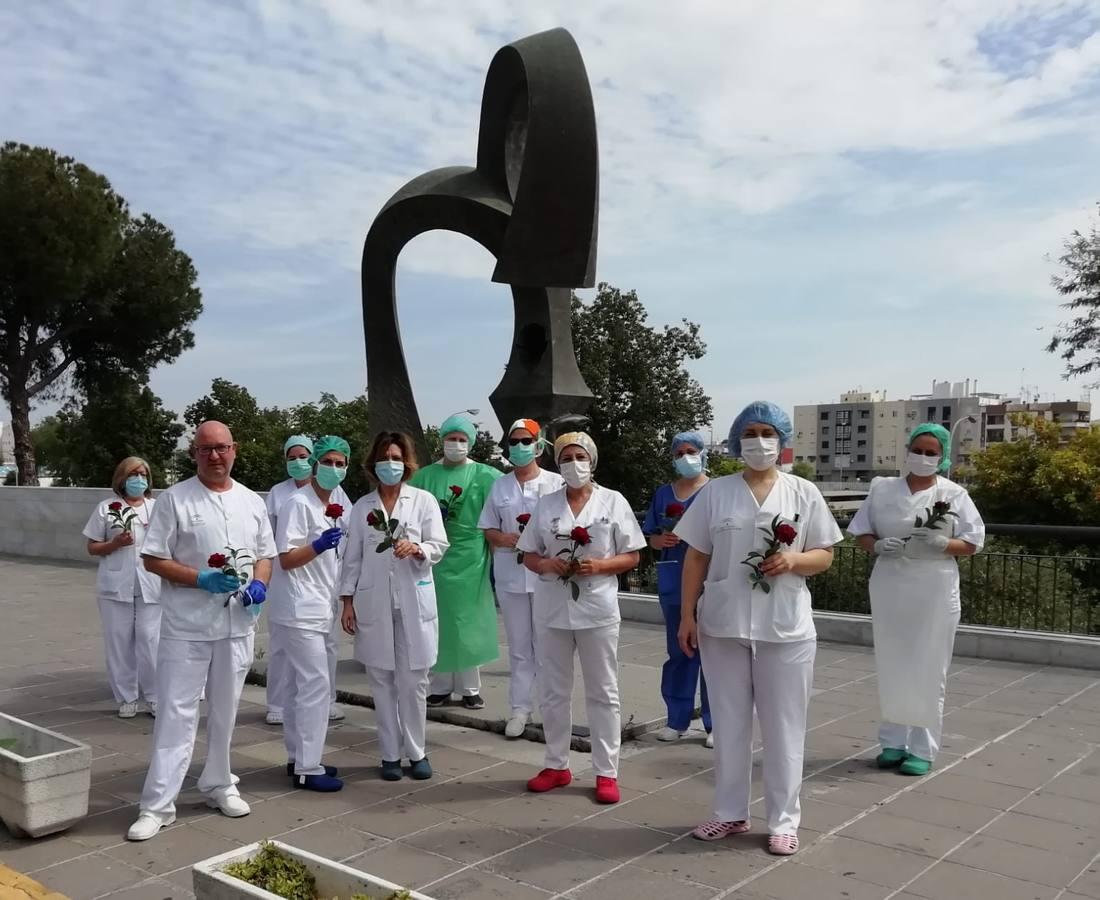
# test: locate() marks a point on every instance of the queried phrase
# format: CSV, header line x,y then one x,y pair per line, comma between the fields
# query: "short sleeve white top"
x,y
121,575
508,500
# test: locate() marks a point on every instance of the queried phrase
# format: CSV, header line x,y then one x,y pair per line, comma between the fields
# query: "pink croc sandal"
x,y
783,844
716,830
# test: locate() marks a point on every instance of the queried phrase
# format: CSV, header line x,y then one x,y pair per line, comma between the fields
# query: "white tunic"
x,y
613,530
121,576
284,490
189,523
508,500
379,583
303,597
724,522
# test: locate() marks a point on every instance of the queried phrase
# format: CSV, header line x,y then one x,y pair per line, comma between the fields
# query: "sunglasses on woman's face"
x,y
513,442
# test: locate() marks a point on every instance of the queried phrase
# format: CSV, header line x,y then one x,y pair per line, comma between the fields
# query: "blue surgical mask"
x,y
329,477
522,454
389,471
136,486
689,465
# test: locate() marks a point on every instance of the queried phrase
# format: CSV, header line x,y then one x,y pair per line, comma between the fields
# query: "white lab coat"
x,y
915,600
380,584
757,648
121,576
587,627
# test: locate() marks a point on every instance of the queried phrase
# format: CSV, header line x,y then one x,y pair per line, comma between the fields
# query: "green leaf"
x,y
393,523
765,587
575,590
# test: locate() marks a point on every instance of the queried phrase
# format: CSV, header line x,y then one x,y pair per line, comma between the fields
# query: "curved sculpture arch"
x,y
533,202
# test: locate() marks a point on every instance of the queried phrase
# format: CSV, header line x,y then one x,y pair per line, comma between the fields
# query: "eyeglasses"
x,y
210,450
513,442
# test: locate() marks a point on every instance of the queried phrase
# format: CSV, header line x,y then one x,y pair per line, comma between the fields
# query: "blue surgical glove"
x,y
254,594
217,582
327,541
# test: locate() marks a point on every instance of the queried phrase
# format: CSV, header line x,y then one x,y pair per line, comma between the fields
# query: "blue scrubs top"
x,y
670,562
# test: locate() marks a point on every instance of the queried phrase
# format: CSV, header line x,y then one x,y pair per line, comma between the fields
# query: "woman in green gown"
x,y
467,612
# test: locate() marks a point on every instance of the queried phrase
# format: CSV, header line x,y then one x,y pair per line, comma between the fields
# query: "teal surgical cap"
x,y
459,423
327,444
298,440
942,435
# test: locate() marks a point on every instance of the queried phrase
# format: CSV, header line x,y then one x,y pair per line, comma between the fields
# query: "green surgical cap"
x,y
459,423
327,444
298,440
942,435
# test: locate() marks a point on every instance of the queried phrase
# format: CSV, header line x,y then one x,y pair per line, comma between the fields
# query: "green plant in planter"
x,y
272,870
7,743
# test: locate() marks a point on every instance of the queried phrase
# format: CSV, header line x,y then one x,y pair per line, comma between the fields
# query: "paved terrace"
x,y
1012,811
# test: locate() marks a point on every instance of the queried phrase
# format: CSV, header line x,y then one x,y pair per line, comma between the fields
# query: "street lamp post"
x,y
954,447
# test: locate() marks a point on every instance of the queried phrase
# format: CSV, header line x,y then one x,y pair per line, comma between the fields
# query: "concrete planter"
x,y
44,779
333,879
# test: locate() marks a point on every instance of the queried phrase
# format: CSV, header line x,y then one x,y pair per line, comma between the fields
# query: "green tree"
x,y
88,292
1078,340
718,466
804,470
643,394
46,439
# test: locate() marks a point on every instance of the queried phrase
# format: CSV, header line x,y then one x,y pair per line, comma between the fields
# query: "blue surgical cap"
x,y
765,413
692,438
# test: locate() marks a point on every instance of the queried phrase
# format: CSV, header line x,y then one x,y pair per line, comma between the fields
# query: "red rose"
x,y
372,519
115,507
785,534
941,507
524,519
217,560
456,490
579,535
674,510
334,511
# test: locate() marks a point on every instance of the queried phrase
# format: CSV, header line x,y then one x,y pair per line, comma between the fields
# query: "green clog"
x,y
890,758
914,765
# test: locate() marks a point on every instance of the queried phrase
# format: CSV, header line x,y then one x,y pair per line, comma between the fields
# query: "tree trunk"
x,y
21,434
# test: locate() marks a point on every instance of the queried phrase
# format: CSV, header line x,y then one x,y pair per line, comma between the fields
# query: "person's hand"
x,y
347,619
254,594
327,540
688,635
586,568
403,549
931,538
555,565
217,582
891,546
123,539
667,540
778,564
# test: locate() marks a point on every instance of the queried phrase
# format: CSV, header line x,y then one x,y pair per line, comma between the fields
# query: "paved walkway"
x,y
1012,811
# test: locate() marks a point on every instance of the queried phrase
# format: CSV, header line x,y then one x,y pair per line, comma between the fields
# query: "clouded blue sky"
x,y
852,193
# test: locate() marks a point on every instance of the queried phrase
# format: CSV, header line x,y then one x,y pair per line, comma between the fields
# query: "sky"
x,y
853,194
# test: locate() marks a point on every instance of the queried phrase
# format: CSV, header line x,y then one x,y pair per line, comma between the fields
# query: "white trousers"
x,y
183,667
400,702
277,674
777,677
131,633
598,649
922,742
519,626
332,648
305,705
466,683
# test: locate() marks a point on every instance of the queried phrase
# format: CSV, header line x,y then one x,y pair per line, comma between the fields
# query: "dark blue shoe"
x,y
331,771
324,784
421,770
391,770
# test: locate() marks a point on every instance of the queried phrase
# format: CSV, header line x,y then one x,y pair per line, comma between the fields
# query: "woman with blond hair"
x,y
128,595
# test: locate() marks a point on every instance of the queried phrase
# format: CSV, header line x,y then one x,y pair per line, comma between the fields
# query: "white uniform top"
x,y
613,529
121,576
724,522
891,510
284,490
379,583
508,499
191,522
304,597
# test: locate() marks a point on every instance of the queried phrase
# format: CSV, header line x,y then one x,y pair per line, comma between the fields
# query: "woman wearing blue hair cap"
x,y
681,675
916,525
753,539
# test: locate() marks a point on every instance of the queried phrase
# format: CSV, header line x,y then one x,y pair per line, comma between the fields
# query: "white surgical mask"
x,y
760,453
922,466
576,474
455,451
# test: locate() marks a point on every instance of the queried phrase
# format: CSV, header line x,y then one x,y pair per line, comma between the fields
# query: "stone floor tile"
x,y
610,838
718,864
862,861
171,849
548,866
155,888
267,819
632,883
27,855
1066,838
956,786
942,811
887,830
90,876
528,815
405,865
473,883
1087,881
1061,808
331,839
390,819
795,881
1018,861
951,881
465,840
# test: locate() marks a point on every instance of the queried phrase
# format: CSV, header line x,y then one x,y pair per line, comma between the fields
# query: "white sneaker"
x,y
231,805
709,742
335,712
128,710
147,826
516,725
151,707
667,734
274,718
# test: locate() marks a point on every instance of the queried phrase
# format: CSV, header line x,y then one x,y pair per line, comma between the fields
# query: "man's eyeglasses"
x,y
513,442
211,449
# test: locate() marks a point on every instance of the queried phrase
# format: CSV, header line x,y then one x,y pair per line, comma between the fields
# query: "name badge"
x,y
729,525
197,519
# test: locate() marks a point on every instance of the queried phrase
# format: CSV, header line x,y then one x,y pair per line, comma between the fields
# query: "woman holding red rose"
x,y
681,675
753,539
915,593
579,541
507,512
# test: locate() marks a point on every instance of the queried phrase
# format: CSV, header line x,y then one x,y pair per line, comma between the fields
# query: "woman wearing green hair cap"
x,y
916,525
467,610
